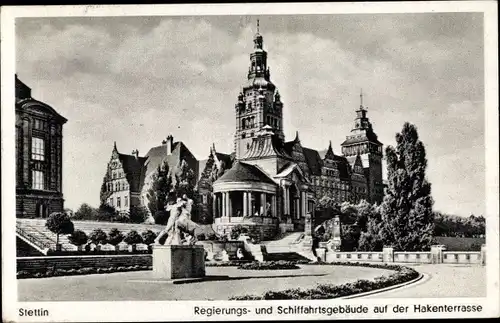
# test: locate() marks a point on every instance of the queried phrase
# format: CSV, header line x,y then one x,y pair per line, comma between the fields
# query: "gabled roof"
x,y
290,168
133,168
266,145
314,160
367,136
243,172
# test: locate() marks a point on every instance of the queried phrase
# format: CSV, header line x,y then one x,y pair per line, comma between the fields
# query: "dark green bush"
x,y
269,265
328,291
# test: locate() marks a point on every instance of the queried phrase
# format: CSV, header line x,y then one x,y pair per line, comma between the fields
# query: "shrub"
x,y
59,223
98,237
115,236
211,236
269,265
133,238
138,214
327,291
201,237
237,230
78,238
149,237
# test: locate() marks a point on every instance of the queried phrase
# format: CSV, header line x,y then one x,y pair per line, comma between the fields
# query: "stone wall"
x,y
437,255
75,262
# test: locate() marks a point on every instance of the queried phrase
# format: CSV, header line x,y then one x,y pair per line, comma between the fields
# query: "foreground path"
x,y
141,286
443,280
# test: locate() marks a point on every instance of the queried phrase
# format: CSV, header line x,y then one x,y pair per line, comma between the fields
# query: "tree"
x,y
149,237
105,193
106,212
78,238
115,236
138,214
98,237
85,212
133,238
59,223
185,180
160,191
185,184
407,206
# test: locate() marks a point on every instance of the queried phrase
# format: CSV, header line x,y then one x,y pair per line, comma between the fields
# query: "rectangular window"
x,y
37,149
125,201
204,199
118,202
37,181
111,202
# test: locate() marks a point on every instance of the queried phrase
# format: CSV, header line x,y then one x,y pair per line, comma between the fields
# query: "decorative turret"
x,y
259,103
364,142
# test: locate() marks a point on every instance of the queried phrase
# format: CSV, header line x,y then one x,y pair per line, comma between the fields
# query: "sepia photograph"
x,y
344,163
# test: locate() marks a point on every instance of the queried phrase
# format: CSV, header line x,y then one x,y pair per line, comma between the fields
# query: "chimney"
x,y
170,144
135,152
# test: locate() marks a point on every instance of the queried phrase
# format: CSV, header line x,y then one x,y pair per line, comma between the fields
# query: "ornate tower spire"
x,y
259,103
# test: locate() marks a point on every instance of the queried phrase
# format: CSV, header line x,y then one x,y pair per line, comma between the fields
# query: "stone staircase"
x,y
289,247
34,232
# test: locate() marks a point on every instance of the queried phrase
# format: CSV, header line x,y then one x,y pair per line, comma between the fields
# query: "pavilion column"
x,y
273,205
245,204
286,202
249,202
214,205
229,205
304,203
296,201
224,204
263,204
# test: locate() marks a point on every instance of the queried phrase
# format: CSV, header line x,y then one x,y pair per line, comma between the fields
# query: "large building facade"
x,y
266,180
277,181
39,144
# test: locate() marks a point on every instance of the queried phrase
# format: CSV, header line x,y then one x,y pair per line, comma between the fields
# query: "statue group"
x,y
180,229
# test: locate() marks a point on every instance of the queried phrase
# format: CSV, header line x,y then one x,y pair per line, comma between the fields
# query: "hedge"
x,y
328,291
80,271
269,265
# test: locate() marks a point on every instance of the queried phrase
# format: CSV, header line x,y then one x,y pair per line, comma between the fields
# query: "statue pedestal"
x,y
176,262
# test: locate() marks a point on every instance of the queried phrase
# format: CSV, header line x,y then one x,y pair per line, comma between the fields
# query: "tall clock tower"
x,y
363,141
259,103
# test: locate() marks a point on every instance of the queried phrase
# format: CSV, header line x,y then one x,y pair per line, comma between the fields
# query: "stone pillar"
x,y
297,207
303,199
263,204
308,225
286,202
483,255
437,254
245,203
224,204
273,206
229,205
388,254
214,205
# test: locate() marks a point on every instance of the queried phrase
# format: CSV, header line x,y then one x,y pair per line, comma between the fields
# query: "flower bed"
x,y
230,263
269,265
80,271
327,291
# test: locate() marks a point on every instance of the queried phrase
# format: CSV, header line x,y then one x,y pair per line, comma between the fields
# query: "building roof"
x,y
133,168
243,172
367,136
313,160
266,144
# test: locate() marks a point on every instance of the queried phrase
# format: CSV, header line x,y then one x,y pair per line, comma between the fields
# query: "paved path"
x,y
443,280
141,286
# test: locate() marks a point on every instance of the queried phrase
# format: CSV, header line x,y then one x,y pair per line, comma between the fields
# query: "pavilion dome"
x,y
243,172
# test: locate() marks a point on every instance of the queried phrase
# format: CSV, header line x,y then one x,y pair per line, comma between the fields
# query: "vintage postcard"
x,y
310,161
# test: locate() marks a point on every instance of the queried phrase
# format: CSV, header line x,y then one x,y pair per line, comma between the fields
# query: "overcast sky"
x,y
134,80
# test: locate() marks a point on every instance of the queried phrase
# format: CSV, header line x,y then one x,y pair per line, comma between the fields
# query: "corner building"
x,y
273,181
39,140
